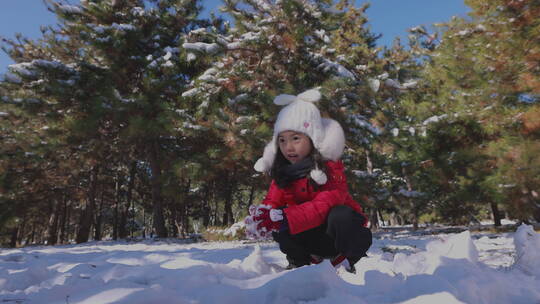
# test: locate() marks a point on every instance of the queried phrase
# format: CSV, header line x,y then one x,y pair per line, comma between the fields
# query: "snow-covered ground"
x,y
402,267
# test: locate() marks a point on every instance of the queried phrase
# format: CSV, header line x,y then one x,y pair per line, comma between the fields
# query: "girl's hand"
x,y
276,215
261,223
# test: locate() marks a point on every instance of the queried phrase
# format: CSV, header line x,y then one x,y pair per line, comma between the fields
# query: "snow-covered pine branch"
x,y
202,47
329,66
409,194
360,122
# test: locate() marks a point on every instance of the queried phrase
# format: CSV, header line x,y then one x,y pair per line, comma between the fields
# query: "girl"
x,y
308,206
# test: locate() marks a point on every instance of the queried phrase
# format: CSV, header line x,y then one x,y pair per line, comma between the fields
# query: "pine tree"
x,y
514,26
109,81
288,47
476,94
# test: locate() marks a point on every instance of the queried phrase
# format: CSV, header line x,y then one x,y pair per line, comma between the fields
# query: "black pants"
x,y
343,233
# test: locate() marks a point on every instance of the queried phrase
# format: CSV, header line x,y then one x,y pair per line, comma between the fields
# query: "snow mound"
x,y
447,268
527,243
255,262
450,269
458,246
439,297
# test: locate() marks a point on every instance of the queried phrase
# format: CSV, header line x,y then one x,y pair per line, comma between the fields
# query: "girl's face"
x,y
295,146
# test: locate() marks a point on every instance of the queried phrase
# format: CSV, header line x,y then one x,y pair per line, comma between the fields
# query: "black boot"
x,y
351,267
295,263
353,260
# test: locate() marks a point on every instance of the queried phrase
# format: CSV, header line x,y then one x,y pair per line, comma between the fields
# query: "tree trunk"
x,y
185,221
230,188
496,214
410,201
116,206
251,196
22,230
122,229
144,223
214,220
52,227
394,219
63,221
415,220
98,223
381,217
14,236
184,210
69,232
227,210
373,219
87,214
155,167
180,219
175,220
31,237
179,216
206,207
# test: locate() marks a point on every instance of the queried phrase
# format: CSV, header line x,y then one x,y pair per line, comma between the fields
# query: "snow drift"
x,y
401,268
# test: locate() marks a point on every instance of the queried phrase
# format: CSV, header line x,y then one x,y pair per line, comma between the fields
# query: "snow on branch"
x,y
328,65
138,11
409,194
209,48
70,9
360,121
239,98
190,126
10,78
34,68
434,119
56,65
24,69
191,92
122,27
261,5
365,174
209,75
394,83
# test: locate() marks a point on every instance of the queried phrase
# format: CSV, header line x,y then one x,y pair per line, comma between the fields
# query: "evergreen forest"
x,y
140,118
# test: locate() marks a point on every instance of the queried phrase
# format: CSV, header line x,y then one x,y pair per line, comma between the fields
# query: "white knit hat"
x,y
301,115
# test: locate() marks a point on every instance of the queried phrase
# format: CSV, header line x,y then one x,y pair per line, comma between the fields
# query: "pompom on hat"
x,y
301,115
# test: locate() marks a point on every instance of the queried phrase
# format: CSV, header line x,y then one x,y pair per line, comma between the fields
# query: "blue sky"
x,y
388,17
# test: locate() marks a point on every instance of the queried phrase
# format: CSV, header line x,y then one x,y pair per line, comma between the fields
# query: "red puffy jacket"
x,y
308,208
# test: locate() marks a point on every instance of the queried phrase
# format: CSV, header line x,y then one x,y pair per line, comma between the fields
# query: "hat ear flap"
x,y
264,164
318,176
333,142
